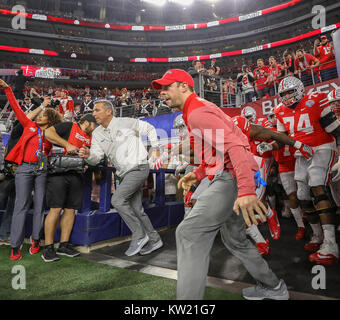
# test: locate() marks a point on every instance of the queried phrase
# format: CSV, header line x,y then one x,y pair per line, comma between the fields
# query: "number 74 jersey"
x,y
303,122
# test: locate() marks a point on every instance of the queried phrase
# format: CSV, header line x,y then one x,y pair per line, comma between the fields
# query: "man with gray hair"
x,y
119,139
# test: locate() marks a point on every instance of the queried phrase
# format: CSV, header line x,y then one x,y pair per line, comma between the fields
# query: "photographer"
x,y
245,81
64,186
30,154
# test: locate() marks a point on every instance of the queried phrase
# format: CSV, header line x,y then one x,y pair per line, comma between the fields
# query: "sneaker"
x,y
35,247
261,292
326,255
274,226
263,247
301,233
136,246
314,244
151,246
67,250
49,254
16,254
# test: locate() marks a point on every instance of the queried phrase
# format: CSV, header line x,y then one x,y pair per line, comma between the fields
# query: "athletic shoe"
x,y
263,248
314,244
35,247
67,250
136,246
150,247
49,255
16,254
260,292
301,233
274,226
326,255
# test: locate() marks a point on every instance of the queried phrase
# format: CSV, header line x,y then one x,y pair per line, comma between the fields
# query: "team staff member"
x,y
119,139
64,191
213,210
28,175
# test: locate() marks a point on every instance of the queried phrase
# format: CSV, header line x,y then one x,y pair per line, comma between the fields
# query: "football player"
x,y
309,118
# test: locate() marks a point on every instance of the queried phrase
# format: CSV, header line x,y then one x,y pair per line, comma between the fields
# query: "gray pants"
x,y
127,200
195,236
27,180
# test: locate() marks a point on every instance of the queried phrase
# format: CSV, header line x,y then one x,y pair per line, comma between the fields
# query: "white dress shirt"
x,y
121,142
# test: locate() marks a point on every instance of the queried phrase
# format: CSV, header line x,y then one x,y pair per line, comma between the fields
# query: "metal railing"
x,y
309,76
227,93
154,108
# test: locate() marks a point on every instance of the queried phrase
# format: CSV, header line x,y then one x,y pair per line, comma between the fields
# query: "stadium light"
x,y
158,3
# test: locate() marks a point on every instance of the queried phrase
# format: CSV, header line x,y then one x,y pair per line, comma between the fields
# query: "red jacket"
x,y
224,146
30,130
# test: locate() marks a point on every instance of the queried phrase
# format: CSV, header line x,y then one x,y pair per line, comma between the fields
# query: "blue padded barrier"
x,y
91,226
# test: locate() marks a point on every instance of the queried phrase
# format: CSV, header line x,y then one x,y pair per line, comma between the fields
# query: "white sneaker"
x,y
327,254
136,246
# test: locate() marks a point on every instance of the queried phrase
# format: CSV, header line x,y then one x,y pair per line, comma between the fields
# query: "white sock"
x,y
254,233
329,232
297,214
269,212
317,230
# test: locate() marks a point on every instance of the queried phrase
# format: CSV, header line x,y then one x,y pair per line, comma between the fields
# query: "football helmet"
x,y
249,113
179,124
334,96
272,118
288,84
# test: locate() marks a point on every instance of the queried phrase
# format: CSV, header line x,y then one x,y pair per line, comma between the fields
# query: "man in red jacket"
x,y
227,161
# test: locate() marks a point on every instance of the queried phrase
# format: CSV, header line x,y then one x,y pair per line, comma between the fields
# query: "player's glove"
x,y
336,169
305,150
264,147
187,198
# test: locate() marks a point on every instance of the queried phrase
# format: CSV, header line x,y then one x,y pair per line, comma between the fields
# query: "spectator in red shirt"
x,y
274,74
325,53
304,63
261,74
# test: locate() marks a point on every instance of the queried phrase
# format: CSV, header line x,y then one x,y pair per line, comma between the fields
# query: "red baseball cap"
x,y
172,76
322,37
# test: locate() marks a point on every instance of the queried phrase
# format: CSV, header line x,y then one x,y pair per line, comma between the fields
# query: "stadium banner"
x,y
41,72
264,106
83,23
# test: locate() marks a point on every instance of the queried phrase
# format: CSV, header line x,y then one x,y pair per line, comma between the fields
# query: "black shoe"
x,y
49,255
67,250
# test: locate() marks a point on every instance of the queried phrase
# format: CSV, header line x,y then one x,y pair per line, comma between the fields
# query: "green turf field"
x,y
78,279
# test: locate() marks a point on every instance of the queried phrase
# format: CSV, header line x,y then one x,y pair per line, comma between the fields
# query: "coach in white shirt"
x,y
120,140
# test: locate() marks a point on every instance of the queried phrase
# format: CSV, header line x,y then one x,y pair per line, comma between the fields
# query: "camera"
x,y
54,103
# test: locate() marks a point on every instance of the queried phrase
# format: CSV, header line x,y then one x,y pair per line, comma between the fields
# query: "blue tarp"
x,y
163,124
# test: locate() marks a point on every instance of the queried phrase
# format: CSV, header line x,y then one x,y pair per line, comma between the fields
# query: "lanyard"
x,y
41,146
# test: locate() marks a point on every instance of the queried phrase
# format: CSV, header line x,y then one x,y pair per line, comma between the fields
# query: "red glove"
x,y
305,150
187,198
